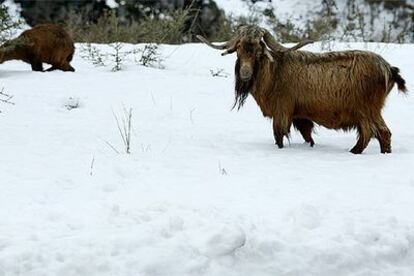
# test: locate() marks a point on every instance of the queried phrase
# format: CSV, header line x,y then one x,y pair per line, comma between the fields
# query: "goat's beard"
x,y
243,88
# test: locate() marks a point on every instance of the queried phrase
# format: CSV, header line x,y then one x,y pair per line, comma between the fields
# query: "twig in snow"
x,y
111,146
191,115
153,99
168,145
124,128
222,170
219,73
5,98
92,163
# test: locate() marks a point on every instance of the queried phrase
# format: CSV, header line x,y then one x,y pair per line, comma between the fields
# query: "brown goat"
x,y
45,43
338,90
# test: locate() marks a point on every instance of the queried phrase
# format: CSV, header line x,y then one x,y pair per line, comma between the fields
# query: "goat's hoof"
x,y
356,151
311,143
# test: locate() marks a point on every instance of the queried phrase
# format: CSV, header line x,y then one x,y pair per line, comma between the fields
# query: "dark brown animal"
x,y
46,43
339,90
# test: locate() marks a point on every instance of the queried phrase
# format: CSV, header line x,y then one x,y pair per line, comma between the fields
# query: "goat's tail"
x,y
395,75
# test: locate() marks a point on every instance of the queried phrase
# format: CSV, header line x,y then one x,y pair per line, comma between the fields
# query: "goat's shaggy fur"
x,y
45,43
338,90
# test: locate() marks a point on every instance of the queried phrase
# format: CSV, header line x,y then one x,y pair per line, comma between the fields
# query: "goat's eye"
x,y
248,48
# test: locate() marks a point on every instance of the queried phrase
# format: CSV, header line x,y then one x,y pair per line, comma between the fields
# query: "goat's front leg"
x,y
37,65
281,128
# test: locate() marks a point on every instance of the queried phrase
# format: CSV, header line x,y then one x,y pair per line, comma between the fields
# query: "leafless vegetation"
x,y
219,73
124,126
5,98
150,56
92,54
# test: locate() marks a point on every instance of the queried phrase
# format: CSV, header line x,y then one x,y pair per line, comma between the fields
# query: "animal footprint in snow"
x,y
223,241
72,103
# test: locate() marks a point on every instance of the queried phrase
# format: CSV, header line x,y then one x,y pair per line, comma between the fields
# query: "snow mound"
x,y
221,240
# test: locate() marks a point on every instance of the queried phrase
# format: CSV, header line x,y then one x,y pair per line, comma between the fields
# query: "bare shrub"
x,y
5,98
219,72
124,127
150,56
117,56
92,54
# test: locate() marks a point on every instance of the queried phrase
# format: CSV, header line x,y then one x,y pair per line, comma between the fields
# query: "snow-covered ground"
x,y
204,191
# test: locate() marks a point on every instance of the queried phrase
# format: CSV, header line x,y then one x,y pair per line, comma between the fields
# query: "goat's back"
x,y
345,76
334,89
50,43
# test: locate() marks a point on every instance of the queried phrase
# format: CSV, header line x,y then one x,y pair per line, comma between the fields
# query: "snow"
x,y
205,191
282,8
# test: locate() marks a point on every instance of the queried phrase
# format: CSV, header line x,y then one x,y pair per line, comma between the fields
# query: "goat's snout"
x,y
246,72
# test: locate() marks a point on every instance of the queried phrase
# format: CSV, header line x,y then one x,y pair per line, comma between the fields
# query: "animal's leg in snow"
x,y
36,65
67,68
51,68
305,128
280,129
364,135
383,135
64,67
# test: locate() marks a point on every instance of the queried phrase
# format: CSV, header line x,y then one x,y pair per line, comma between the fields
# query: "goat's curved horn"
x,y
272,43
214,46
268,54
229,46
300,45
277,47
231,49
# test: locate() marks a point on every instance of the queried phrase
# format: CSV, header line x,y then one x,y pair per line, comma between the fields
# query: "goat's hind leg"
x,y
364,136
64,67
383,134
37,66
62,64
53,68
305,128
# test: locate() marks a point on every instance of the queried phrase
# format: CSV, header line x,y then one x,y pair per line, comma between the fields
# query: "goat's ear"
x,y
229,51
267,52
